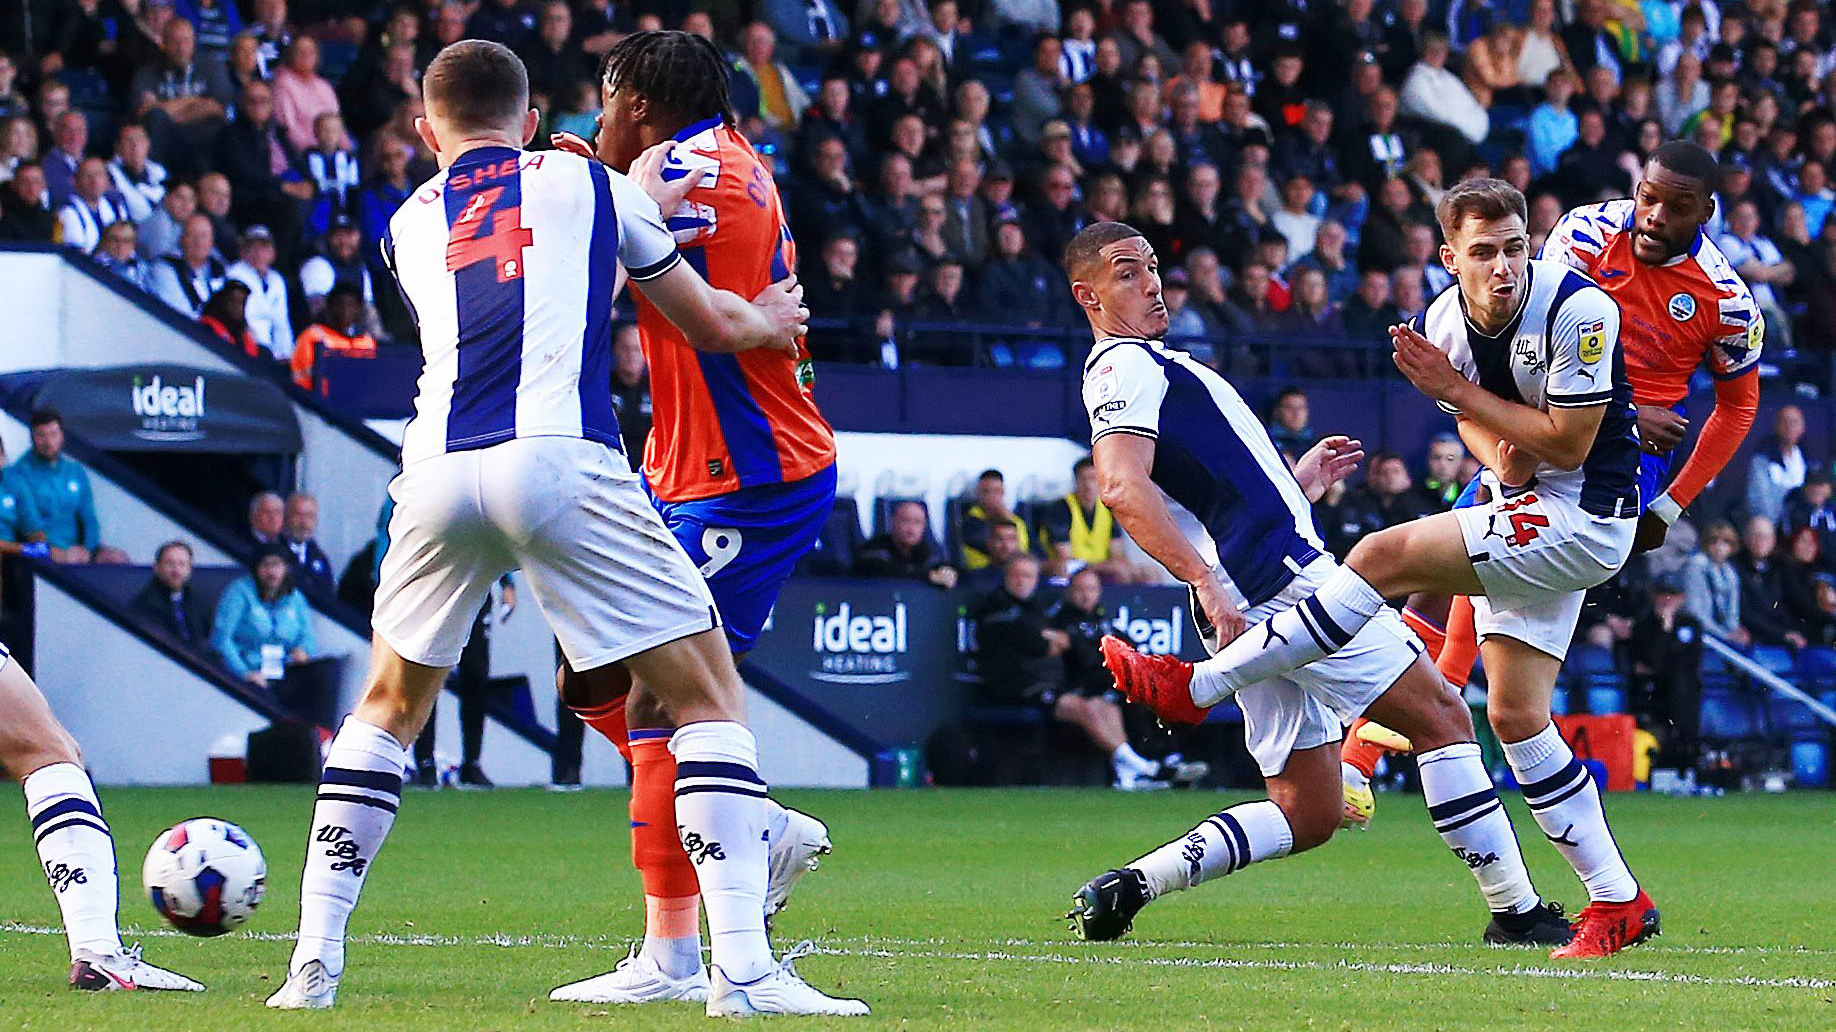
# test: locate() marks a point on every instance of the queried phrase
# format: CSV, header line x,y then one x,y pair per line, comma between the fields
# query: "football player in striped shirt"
x,y
739,462
513,461
1683,307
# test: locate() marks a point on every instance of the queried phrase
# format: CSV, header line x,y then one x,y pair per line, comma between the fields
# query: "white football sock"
x,y
1473,823
78,854
1351,775
1222,843
1566,802
1126,758
722,816
359,793
1314,628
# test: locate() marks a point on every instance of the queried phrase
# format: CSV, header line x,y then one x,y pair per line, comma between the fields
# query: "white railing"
x,y
1746,665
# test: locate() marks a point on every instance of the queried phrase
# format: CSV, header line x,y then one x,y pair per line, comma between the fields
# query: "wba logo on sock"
x,y
344,849
698,848
1475,859
62,876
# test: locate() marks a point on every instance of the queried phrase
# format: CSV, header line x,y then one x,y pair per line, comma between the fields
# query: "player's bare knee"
x,y
644,709
1514,721
1377,557
1312,822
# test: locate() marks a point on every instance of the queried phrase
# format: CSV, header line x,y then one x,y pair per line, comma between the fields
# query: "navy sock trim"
x,y
78,820
1470,818
361,800
64,806
758,793
375,780
1242,841
1544,804
1333,630
716,769
1456,807
1555,781
1312,632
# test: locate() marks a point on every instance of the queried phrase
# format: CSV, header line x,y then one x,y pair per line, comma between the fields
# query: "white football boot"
x,y
636,979
778,991
793,851
310,988
123,972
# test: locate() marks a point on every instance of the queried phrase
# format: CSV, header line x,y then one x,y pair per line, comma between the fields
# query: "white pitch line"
x,y
1002,956
1150,944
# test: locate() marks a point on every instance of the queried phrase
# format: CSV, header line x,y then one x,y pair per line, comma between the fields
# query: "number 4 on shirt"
x,y
503,246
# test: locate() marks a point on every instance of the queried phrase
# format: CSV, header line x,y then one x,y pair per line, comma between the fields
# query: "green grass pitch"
x,y
942,908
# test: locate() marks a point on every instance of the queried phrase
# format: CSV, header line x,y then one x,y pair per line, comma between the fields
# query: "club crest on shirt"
x,y
1528,353
1593,340
1681,306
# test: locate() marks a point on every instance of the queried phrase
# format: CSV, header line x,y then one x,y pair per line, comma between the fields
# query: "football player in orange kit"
x,y
1681,304
739,461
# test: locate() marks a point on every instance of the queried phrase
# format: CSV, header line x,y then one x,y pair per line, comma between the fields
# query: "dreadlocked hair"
x,y
680,71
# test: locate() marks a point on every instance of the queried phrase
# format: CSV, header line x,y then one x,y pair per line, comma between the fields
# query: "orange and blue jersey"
x,y
1675,317
726,422
740,462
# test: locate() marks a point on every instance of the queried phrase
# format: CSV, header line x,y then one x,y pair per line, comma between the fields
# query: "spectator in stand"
x,y
117,255
267,518
1408,292
168,601
1379,150
226,316
312,568
59,488
1249,309
69,145
832,115
631,391
1433,94
1369,314
1665,693
835,291
301,94
1778,468
331,169
945,302
781,100
1424,255
989,509
180,100
339,329
268,305
340,263
1051,223
1553,126
1246,215
1186,328
557,66
1384,242
21,531
1813,509
1445,455
1199,219
1295,220
215,199
510,22
135,177
1759,262
1020,654
906,550
1312,315
813,31
18,143
1762,587
1019,287
827,200
216,23
1803,564
1711,585
159,234
262,624
1078,533
25,209
90,209
1038,89
1288,423
386,191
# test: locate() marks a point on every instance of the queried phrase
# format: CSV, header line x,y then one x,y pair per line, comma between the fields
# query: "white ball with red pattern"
x,y
205,876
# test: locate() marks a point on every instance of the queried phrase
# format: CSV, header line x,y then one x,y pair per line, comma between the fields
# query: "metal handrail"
x,y
1746,665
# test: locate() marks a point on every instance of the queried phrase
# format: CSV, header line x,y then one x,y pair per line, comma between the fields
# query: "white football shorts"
x,y
1536,554
1311,706
609,577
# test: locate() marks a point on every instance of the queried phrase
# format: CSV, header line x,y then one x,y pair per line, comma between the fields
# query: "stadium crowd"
x,y
239,161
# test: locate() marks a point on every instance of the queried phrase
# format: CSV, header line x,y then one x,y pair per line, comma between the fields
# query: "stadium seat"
x,y
1817,669
1776,661
836,544
1041,356
1810,762
1594,678
1730,713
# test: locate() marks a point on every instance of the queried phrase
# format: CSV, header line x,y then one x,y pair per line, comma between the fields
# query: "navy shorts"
x,y
748,542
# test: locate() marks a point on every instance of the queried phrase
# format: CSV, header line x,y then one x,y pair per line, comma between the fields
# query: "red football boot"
x,y
1161,683
1604,929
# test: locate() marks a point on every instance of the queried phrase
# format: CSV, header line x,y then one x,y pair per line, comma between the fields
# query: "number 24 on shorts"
x,y
1525,526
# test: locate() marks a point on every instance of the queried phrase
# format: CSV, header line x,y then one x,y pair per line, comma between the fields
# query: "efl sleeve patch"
x,y
1593,340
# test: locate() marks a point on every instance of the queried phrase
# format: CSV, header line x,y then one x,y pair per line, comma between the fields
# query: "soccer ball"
x,y
205,876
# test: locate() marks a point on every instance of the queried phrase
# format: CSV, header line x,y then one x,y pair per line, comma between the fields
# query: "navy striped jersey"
x,y
1212,457
507,259
1561,350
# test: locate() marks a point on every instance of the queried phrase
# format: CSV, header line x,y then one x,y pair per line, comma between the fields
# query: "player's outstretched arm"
x,y
1560,437
1124,464
721,321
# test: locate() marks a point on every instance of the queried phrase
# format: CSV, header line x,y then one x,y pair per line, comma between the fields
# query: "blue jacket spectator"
x,y
259,614
58,489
